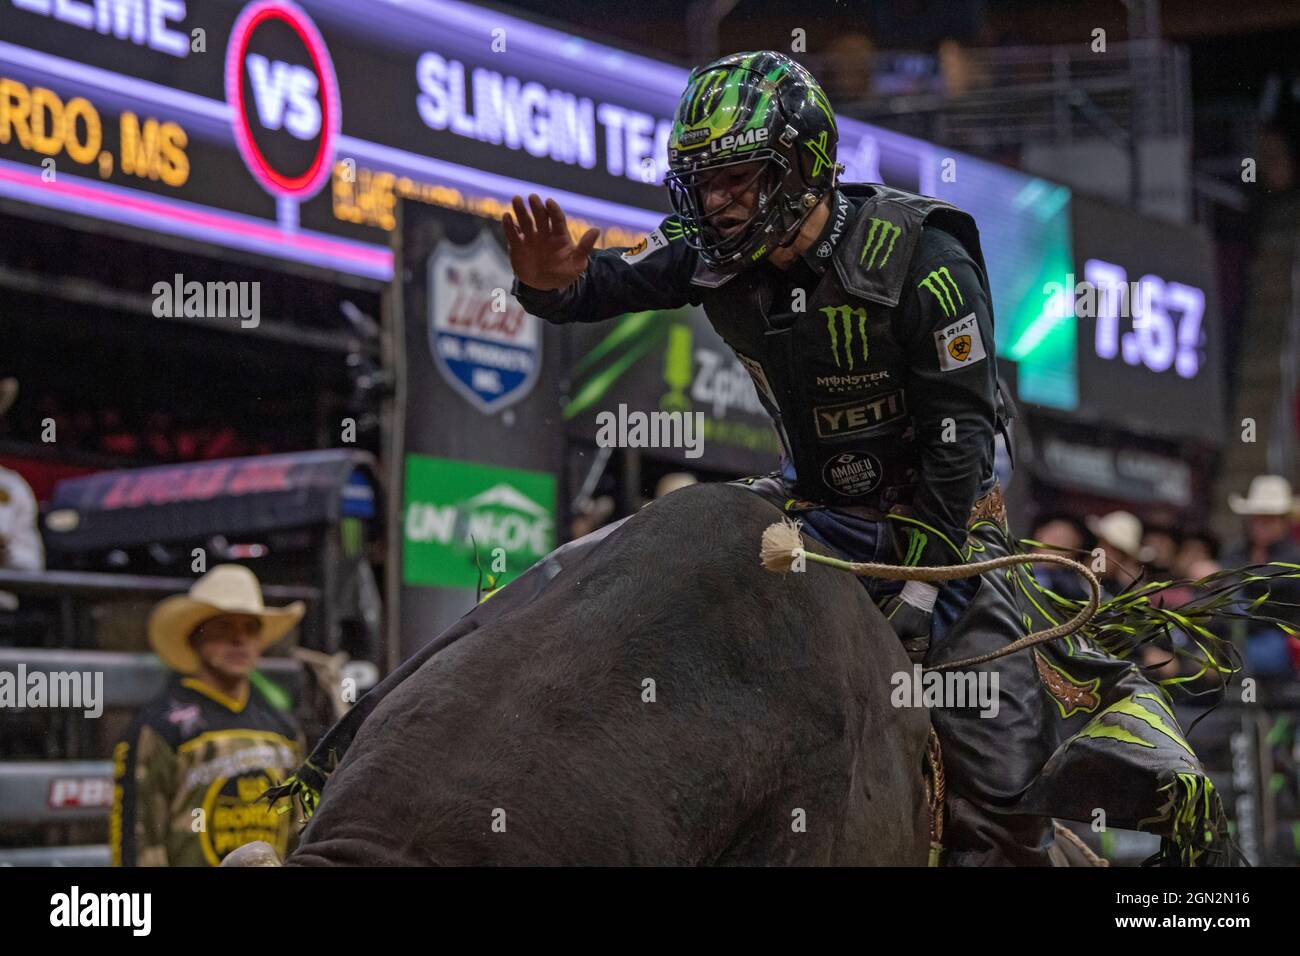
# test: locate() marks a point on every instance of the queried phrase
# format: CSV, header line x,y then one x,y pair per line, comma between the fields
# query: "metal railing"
x,y
1012,96
97,585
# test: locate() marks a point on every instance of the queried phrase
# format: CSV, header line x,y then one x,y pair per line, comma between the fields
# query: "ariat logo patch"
x,y
841,217
850,418
959,344
880,243
841,321
651,243
940,284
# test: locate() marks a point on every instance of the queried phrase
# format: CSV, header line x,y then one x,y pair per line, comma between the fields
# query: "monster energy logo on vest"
x,y
837,377
846,314
674,228
882,231
916,540
940,284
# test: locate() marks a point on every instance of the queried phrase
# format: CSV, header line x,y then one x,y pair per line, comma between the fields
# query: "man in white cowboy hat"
x,y
20,541
1266,514
213,742
1119,534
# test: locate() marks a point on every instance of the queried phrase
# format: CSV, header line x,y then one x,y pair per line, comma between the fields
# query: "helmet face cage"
x,y
742,95
687,194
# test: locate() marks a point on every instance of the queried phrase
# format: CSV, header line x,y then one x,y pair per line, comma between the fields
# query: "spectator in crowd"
x,y
1266,515
1119,534
189,774
1161,545
1196,558
20,538
1198,555
1064,535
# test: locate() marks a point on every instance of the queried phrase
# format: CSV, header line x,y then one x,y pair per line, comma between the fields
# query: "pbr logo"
x,y
284,98
486,346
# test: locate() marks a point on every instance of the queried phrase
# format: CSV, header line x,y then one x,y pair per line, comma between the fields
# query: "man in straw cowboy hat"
x,y
189,774
1266,513
1119,534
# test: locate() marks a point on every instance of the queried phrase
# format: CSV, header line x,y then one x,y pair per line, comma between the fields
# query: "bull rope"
x,y
936,789
783,547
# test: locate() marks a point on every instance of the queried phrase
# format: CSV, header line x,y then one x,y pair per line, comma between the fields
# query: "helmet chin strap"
x,y
809,202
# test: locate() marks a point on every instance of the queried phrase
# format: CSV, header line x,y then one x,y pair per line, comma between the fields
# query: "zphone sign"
x,y
284,98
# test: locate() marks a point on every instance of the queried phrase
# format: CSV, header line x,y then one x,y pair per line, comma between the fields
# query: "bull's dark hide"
x,y
771,708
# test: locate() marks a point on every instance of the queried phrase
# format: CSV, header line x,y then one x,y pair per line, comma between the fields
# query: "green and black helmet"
x,y
762,109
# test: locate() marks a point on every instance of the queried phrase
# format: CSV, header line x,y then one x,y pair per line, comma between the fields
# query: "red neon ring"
x,y
310,181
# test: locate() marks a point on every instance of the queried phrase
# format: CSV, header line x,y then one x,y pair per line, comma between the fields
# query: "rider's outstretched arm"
x,y
948,333
576,283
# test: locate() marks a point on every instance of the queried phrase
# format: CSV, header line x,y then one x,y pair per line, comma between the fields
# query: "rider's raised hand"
x,y
542,253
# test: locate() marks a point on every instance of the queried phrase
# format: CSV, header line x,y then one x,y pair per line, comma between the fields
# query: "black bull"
x,y
664,700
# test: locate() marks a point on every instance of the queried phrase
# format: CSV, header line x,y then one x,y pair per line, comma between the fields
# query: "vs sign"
x,y
284,99
286,96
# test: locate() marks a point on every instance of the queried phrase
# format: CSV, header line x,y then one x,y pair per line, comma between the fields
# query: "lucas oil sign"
x,y
484,344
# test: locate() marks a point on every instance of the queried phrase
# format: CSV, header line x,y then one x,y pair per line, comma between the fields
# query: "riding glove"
x,y
910,613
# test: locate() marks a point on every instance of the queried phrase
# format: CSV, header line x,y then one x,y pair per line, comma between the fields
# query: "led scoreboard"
x,y
293,129
1145,299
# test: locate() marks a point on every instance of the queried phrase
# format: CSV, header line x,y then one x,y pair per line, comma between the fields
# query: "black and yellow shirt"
x,y
188,775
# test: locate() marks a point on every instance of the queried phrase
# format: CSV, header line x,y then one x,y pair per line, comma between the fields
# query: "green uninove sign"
x,y
508,512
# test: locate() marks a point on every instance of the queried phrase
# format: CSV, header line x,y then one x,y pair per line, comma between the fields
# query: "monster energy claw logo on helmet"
x,y
761,112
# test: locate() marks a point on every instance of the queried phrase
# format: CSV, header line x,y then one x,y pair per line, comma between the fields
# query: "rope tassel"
x,y
782,545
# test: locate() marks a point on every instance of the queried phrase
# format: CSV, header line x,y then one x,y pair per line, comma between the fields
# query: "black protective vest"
x,y
834,381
